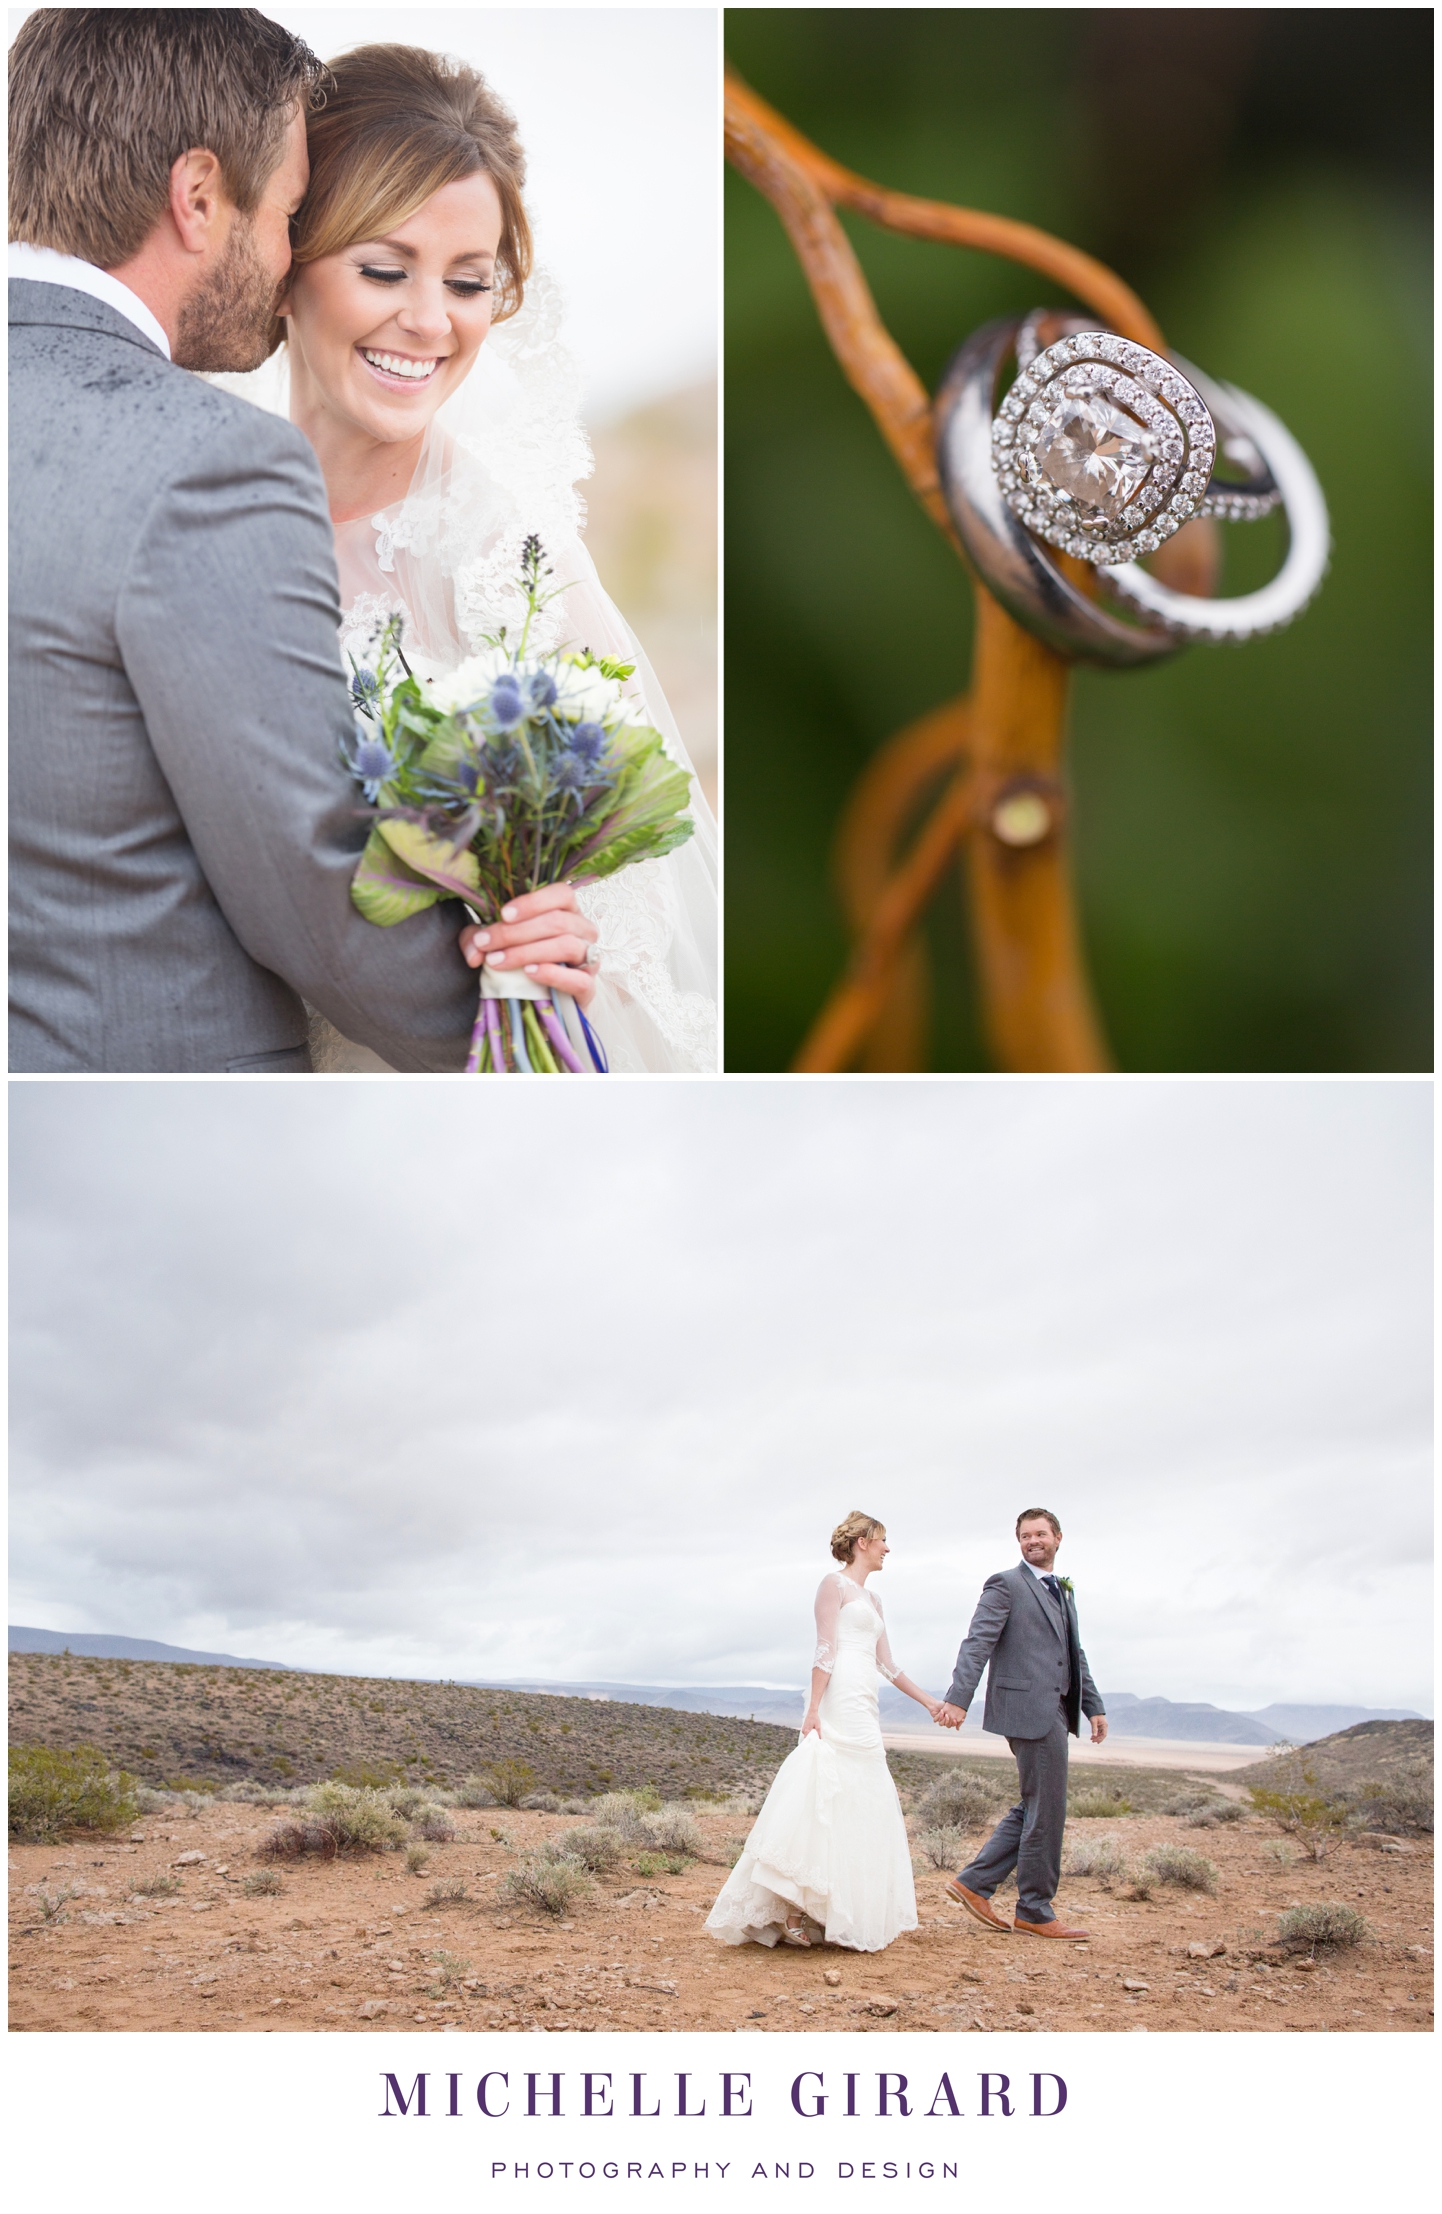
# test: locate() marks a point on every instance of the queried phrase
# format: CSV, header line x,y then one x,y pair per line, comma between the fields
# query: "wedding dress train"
x,y
830,1838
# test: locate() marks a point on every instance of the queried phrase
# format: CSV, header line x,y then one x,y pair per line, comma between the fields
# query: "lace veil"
x,y
501,460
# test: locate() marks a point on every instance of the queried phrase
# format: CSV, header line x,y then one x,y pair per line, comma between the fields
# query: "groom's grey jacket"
x,y
182,829
1034,1649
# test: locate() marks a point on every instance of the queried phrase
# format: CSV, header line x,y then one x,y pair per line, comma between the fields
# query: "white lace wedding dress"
x,y
830,1838
501,462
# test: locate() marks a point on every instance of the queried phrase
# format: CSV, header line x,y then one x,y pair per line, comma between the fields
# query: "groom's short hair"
x,y
104,101
1037,1514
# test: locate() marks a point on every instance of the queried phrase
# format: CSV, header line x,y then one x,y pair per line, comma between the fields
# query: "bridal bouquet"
x,y
515,770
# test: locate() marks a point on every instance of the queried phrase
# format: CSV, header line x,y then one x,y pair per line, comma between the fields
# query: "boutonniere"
x,y
1067,1586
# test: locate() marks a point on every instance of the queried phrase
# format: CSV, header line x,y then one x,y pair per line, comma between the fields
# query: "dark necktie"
x,y
1053,1587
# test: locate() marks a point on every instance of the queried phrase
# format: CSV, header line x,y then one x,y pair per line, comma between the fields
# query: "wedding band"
x,y
1103,449
593,955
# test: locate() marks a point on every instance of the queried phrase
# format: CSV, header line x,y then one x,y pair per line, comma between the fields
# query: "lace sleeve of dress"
x,y
828,1615
884,1660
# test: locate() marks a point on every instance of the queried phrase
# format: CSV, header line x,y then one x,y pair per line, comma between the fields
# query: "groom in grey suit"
x,y
183,829
1038,1687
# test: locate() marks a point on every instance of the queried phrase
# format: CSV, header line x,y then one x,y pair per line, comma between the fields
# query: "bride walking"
x,y
830,1842
421,358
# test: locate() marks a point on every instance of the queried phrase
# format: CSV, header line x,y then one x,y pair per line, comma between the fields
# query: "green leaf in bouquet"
x,y
385,890
641,844
436,858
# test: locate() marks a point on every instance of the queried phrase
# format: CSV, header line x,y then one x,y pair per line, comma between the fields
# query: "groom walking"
x,y
1038,1687
183,832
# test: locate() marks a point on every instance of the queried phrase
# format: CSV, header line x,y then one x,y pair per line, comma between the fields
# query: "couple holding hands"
x,y
829,1845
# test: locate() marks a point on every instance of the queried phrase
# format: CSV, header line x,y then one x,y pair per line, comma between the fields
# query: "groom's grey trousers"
x,y
1028,1839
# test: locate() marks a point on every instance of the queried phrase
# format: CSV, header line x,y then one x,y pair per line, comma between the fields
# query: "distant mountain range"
x,y
106,1647
1192,1721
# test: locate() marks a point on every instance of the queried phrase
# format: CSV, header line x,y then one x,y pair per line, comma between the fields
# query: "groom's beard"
x,y
226,324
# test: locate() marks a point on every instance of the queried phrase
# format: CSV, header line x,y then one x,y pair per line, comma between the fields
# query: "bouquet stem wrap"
x,y
523,1029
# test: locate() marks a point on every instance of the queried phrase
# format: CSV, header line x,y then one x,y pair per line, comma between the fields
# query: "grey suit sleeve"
x,y
227,622
990,1619
1091,1698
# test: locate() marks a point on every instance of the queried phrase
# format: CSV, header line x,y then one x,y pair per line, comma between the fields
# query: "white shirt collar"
x,y
1040,1574
43,265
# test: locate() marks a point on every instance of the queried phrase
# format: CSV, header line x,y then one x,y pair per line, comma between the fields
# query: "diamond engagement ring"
x,y
1103,449
593,956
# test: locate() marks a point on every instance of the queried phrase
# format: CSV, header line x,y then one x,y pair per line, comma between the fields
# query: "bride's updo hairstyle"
x,y
399,123
848,1534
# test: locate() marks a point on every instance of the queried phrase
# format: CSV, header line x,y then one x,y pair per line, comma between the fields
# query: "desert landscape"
x,y
262,1904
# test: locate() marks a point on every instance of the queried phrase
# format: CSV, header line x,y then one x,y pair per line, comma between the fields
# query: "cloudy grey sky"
x,y
476,1379
619,114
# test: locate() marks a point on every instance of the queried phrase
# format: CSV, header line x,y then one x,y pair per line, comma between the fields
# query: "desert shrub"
x,y
510,1781
1304,1927
450,1891
54,1792
148,1801
942,1848
660,1864
595,1846
733,1849
550,1885
645,1800
617,1810
962,1800
418,1859
1313,1817
1094,1806
1276,1848
574,1806
51,1902
446,1970
1103,1857
296,1836
1396,1804
434,1824
160,1886
1181,1865
404,1799
541,1802
675,1830
474,1791
364,1821
262,1883
1215,1814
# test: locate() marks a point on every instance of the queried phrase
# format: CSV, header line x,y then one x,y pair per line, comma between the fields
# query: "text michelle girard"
x,y
815,2095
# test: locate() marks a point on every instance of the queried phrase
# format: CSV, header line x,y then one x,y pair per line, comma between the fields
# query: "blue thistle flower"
x,y
589,741
507,706
371,761
365,687
542,688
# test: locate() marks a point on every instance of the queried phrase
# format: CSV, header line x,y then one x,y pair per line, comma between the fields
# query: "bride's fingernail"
x,y
508,914
481,938
531,967
495,960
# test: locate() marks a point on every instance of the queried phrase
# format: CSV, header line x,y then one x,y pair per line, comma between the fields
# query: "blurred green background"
x,y
1252,823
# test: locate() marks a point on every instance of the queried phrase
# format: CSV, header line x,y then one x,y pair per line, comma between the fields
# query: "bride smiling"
x,y
420,354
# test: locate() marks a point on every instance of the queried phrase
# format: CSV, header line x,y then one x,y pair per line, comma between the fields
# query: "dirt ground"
x,y
351,1943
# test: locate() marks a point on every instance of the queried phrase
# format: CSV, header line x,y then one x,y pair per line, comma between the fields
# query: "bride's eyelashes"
x,y
465,288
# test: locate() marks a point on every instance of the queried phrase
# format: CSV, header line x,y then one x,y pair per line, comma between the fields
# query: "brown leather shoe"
x,y
978,1908
1050,1929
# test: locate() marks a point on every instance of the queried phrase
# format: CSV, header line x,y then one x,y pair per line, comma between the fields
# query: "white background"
x,y
1184,2122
